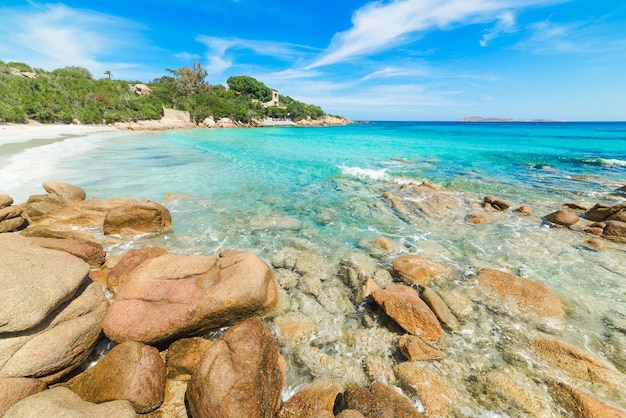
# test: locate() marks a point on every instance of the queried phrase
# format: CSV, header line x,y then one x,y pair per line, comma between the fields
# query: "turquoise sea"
x,y
298,194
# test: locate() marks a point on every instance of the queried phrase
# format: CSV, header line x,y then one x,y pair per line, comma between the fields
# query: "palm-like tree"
x,y
107,72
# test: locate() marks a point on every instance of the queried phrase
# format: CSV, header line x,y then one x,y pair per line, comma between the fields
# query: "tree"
x,y
250,87
108,73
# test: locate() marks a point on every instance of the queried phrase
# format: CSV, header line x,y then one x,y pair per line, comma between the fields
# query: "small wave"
x,y
374,174
612,162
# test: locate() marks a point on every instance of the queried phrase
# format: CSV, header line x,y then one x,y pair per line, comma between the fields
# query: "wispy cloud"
x,y
221,51
506,24
54,35
378,26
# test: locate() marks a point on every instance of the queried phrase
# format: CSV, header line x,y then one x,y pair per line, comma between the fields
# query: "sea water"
x,y
319,189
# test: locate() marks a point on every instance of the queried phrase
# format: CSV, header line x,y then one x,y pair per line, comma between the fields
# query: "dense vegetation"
x,y
71,94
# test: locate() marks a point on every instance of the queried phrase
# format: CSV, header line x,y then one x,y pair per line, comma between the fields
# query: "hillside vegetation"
x,y
72,94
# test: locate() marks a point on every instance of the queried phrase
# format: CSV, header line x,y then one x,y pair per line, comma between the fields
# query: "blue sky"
x,y
382,60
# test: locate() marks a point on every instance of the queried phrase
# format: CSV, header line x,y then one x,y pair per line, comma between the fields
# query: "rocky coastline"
x,y
216,335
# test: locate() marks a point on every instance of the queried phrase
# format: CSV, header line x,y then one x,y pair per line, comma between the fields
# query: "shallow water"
x,y
308,201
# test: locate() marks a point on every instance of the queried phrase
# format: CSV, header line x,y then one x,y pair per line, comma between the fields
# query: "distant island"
x,y
180,99
481,119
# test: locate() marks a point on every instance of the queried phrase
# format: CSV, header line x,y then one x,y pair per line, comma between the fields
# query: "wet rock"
x,y
621,190
58,344
576,206
524,210
562,217
615,231
440,309
62,402
131,371
379,401
404,306
137,217
34,281
89,251
527,296
415,349
312,400
601,212
580,404
5,200
491,202
184,355
129,262
376,368
477,218
595,244
173,296
595,228
384,243
412,268
519,392
432,390
578,363
15,389
242,374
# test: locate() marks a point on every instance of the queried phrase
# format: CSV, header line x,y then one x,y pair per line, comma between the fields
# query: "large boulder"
x,y
379,401
59,194
241,375
12,218
62,402
615,230
34,281
60,343
131,371
412,268
13,390
404,306
173,296
517,293
138,217
129,262
5,200
601,212
89,251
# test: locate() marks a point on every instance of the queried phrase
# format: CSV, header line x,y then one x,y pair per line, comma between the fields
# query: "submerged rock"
x,y
491,202
312,400
581,404
527,296
415,349
433,391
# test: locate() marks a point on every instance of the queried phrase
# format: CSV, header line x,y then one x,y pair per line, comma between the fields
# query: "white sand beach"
x,y
17,133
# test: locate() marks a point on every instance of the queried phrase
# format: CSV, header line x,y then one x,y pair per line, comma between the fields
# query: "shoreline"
x,y
45,134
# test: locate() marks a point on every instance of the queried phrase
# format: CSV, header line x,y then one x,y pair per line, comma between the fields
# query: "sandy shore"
x,y
14,133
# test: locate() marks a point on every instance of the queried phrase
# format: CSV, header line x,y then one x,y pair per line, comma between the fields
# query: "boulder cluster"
x,y
162,334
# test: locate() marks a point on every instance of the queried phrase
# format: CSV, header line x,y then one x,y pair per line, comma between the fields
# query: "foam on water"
x,y
371,173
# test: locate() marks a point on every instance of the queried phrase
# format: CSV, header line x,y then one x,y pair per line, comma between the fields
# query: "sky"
x,y
367,60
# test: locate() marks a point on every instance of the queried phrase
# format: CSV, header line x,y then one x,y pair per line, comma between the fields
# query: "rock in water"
x,y
527,296
138,217
241,375
173,296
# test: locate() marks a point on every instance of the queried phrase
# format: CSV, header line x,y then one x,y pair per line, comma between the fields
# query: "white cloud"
x,y
221,50
506,24
54,35
378,26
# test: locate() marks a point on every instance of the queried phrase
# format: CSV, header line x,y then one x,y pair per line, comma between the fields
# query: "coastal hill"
x,y
73,95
